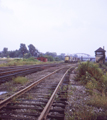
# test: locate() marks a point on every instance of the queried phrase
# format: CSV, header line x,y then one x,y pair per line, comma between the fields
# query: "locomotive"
x,y
67,59
70,59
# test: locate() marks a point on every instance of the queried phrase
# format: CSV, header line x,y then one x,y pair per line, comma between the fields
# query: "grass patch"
x,y
85,113
20,62
20,80
98,101
82,114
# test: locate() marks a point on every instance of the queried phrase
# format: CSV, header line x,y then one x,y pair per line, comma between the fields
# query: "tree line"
x,y
23,52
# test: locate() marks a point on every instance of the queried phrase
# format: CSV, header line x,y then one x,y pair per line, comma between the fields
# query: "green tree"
x,y
27,55
23,49
53,54
0,54
57,59
50,58
15,53
61,56
5,52
33,51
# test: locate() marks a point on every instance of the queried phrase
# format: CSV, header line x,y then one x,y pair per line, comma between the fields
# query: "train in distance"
x,y
70,59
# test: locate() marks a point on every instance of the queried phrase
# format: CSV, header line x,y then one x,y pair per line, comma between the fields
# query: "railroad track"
x,y
4,69
11,69
40,100
9,73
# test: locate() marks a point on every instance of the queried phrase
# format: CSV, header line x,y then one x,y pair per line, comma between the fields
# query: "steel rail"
x,y
15,67
19,93
24,72
20,73
16,70
49,104
23,68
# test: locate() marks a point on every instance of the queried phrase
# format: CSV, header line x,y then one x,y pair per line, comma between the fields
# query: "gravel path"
x,y
77,108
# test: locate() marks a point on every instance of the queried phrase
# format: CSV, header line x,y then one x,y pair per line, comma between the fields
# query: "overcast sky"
x,y
62,26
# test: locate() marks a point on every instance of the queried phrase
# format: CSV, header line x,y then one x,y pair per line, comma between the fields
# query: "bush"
x,y
92,76
32,59
88,70
92,84
104,83
20,80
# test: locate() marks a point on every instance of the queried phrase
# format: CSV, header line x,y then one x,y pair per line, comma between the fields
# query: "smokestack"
x,y
103,47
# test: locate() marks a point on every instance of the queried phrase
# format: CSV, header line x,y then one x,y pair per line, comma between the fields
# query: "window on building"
x,y
99,53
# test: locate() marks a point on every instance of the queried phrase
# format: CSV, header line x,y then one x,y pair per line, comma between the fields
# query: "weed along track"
x,y
43,99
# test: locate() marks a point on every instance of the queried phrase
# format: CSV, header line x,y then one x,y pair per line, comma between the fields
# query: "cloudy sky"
x,y
62,26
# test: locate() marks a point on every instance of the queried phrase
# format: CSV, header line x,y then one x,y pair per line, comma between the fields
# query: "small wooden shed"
x,y
100,55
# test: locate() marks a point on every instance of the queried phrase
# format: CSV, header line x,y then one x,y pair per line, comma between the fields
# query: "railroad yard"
x,y
50,92
53,61
31,103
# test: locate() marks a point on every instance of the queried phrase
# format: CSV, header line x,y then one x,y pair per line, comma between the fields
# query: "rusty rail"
x,y
19,93
49,104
